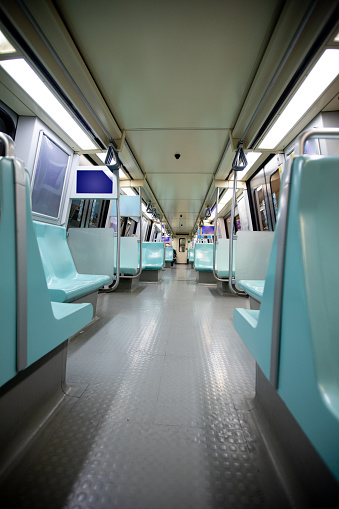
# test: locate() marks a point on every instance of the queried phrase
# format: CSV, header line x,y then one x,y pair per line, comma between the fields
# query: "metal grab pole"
x,y
215,233
114,286
234,196
230,256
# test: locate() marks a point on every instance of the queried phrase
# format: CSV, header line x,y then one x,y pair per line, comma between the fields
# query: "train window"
x,y
7,125
182,245
88,213
261,209
49,178
76,213
275,190
227,224
93,220
237,223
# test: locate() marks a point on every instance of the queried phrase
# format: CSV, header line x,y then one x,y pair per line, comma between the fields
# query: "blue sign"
x,y
95,182
207,230
92,182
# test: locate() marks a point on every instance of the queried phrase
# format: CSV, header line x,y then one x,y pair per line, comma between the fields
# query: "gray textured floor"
x,y
162,419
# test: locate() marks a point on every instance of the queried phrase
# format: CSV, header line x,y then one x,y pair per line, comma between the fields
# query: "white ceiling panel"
x,y
172,64
179,186
200,150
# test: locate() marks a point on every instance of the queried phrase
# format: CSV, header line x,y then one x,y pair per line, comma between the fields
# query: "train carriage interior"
x,y
169,176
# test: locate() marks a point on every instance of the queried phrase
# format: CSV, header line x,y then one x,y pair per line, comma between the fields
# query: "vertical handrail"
x,y
114,286
230,256
239,163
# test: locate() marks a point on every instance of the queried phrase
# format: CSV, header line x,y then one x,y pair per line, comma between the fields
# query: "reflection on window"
x,y
237,222
275,190
75,215
49,178
93,221
228,222
260,204
182,245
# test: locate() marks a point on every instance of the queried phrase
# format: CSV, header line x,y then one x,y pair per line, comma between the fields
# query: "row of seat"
x,y
294,335
32,324
66,284
250,259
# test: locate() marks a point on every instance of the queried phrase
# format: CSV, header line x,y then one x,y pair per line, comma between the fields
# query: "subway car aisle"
x,y
159,413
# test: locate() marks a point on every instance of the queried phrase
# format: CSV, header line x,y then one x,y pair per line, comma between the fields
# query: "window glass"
x,y
261,208
75,215
49,178
237,222
182,245
275,190
93,220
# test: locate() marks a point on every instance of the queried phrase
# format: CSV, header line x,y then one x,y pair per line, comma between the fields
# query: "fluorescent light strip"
x,y
129,191
225,199
251,157
320,77
5,45
30,82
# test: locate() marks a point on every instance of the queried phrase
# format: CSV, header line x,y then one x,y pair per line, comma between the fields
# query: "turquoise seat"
x,y
203,257
308,362
222,258
191,255
169,254
129,255
64,283
48,323
152,255
254,289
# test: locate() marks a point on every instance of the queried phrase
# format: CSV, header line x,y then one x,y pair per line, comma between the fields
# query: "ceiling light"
x,y
221,204
251,157
320,77
27,79
129,191
5,45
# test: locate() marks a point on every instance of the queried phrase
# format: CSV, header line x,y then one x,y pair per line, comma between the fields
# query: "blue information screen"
x,y
207,230
93,181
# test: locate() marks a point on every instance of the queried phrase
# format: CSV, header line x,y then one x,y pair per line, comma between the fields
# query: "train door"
x,y
265,192
182,250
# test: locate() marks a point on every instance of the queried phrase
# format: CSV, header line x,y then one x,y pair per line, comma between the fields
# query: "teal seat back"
x,y
191,255
309,347
222,258
54,250
7,272
308,360
203,257
153,255
169,254
129,255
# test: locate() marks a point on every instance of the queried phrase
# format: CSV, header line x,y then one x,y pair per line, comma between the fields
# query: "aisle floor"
x,y
162,417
